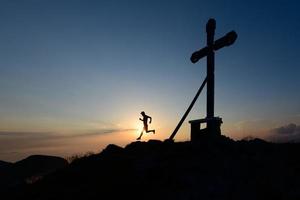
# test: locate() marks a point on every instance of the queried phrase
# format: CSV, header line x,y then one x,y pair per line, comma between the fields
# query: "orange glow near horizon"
x,y
93,136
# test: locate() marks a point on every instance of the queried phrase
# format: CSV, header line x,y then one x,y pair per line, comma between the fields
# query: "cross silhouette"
x,y
212,123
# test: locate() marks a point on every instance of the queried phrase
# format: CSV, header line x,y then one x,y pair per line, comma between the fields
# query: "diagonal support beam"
x,y
188,110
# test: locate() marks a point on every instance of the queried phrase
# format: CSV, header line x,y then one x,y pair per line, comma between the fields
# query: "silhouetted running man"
x,y
145,121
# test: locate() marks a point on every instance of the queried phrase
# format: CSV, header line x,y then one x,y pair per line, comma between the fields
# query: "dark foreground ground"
x,y
210,169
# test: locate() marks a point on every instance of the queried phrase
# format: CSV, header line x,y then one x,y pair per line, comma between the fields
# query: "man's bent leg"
x,y
149,131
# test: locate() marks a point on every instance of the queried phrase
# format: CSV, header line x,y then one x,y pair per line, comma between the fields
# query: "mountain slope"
x,y
210,169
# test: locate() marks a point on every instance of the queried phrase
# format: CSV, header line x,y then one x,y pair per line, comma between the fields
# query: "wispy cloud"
x,y
285,133
257,128
100,132
289,129
17,144
58,135
255,124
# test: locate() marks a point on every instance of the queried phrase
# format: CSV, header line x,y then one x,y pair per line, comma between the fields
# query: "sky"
x,y
75,75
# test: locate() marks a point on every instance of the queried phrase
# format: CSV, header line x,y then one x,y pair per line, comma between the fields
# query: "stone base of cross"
x,y
213,127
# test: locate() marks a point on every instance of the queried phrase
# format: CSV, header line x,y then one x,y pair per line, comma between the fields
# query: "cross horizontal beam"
x,y
226,40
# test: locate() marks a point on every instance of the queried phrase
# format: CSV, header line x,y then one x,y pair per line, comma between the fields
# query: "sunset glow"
x,y
74,77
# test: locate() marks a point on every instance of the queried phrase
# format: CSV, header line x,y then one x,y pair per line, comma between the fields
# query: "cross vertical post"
x,y
210,30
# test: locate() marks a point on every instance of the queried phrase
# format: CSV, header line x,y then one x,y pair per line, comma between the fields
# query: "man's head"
x,y
143,113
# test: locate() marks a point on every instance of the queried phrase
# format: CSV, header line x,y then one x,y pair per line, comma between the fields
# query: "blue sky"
x,y
75,67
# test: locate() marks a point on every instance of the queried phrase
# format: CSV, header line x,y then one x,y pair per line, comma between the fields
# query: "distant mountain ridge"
x,y
28,170
4,164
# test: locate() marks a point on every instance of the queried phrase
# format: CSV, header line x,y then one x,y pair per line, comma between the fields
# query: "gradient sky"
x,y
74,75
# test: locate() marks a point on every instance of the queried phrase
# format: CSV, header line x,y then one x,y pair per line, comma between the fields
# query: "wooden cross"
x,y
213,123
209,52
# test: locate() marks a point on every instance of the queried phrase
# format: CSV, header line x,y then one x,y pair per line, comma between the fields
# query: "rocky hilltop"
x,y
218,168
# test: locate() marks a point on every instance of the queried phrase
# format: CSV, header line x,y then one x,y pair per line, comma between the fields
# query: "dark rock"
x,y
112,149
